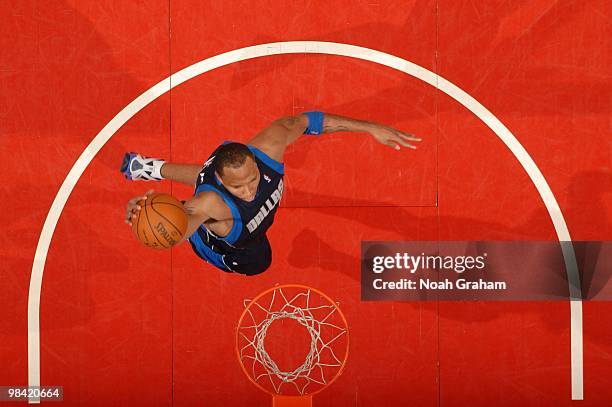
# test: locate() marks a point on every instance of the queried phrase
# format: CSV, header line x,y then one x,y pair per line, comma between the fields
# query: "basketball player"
x,y
237,191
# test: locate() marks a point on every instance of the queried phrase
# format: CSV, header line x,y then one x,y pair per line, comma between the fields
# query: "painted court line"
x,y
301,47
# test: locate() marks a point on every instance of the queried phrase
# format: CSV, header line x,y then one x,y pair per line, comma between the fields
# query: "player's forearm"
x,y
195,215
193,223
318,122
333,123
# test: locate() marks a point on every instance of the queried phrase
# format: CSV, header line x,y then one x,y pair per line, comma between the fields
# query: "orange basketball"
x,y
162,221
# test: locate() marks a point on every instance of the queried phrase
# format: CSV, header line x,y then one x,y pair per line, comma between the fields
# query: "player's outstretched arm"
x,y
383,134
274,139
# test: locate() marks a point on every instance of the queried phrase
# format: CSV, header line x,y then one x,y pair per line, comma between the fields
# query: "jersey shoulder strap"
x,y
274,165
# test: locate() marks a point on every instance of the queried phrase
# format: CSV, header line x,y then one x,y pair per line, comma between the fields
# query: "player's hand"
x,y
133,207
393,138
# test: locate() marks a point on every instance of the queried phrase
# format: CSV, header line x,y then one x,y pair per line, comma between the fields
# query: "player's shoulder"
x,y
269,147
265,156
209,197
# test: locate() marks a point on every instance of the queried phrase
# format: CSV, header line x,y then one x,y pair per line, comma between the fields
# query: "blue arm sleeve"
x,y
315,123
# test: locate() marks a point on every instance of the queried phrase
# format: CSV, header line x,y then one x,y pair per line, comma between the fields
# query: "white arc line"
x,y
307,47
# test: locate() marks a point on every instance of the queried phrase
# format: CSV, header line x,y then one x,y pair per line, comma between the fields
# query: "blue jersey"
x,y
245,249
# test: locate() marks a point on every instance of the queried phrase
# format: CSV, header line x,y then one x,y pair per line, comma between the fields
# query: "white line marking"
x,y
298,47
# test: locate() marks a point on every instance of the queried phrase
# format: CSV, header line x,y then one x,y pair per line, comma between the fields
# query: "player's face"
x,y
241,182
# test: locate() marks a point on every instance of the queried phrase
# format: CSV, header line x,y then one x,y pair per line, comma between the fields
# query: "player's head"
x,y
236,169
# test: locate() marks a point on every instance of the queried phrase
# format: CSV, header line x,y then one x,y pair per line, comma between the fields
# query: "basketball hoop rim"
x,y
264,293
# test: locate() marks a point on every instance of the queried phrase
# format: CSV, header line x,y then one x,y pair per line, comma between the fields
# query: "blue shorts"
x,y
250,260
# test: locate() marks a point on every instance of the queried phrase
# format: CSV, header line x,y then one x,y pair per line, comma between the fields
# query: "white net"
x,y
313,313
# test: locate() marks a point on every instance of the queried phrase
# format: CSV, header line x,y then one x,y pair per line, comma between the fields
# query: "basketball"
x,y
162,221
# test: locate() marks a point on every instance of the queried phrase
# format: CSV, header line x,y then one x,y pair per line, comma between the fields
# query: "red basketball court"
x,y
121,324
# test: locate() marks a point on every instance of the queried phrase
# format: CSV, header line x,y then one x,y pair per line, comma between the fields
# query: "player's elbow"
x,y
297,123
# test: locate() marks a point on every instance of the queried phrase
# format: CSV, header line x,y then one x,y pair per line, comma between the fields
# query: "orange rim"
x,y
264,293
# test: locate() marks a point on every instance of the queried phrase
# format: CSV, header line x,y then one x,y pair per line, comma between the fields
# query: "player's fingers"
x,y
133,205
401,141
132,209
131,215
404,143
409,137
391,144
149,192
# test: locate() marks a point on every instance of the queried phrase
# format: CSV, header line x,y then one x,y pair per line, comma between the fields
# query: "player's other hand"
x,y
134,206
393,138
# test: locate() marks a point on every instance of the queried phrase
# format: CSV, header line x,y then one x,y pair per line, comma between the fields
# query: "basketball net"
x,y
296,310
